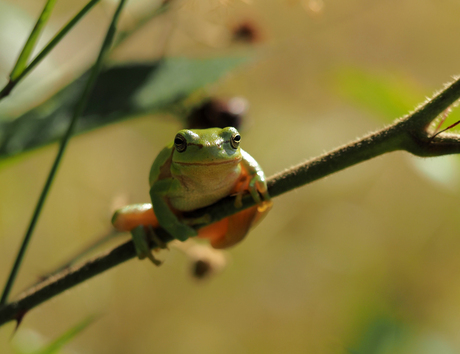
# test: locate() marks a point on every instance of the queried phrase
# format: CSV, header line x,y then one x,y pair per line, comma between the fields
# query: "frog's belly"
x,y
195,195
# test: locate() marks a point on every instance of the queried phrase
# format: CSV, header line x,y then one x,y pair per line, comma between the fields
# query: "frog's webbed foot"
x,y
141,237
258,189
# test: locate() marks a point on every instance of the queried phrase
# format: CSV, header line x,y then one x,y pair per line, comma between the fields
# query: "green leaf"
x,y
180,75
389,95
32,40
381,336
120,92
57,344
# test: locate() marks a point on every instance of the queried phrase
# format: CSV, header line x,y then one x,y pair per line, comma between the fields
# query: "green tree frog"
x,y
200,167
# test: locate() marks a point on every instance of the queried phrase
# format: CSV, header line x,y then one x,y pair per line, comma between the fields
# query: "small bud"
x,y
205,261
218,113
201,268
246,32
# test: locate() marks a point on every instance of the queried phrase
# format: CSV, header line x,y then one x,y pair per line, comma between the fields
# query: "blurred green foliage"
x,y
386,95
28,344
120,92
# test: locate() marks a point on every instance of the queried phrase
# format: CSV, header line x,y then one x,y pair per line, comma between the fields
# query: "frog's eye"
x,y
235,140
180,143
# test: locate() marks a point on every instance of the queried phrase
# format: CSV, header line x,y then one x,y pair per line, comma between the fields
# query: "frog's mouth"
x,y
234,161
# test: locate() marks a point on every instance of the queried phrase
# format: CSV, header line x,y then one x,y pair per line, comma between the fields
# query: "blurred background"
x,y
364,261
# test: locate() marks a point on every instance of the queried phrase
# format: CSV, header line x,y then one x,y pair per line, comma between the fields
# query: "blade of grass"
x,y
78,111
21,63
48,48
58,343
146,18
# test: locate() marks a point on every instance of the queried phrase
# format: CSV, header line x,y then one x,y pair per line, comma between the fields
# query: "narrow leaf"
x,y
32,40
48,48
57,344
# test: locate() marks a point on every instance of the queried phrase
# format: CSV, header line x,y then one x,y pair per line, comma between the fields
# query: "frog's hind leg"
x,y
131,216
214,232
140,220
231,230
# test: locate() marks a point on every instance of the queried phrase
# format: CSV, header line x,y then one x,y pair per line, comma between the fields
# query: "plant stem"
x,y
146,18
78,110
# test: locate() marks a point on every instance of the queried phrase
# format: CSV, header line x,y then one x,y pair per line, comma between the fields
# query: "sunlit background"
x,y
364,261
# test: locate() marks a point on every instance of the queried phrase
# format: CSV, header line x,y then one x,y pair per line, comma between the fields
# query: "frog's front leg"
x,y
257,185
159,193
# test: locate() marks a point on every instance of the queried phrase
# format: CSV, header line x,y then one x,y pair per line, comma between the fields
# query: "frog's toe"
x,y
265,205
265,196
260,195
182,232
141,244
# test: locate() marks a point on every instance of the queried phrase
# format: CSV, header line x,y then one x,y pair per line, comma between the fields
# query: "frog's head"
x,y
207,147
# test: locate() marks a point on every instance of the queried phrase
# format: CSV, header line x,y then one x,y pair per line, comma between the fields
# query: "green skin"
x,y
199,168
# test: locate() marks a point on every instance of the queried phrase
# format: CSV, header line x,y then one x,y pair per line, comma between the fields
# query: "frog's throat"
x,y
234,161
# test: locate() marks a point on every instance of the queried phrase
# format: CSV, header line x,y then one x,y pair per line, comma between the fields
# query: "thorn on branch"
x,y
441,131
18,318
